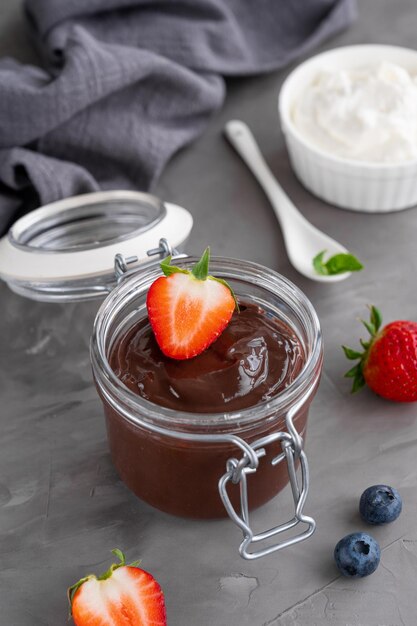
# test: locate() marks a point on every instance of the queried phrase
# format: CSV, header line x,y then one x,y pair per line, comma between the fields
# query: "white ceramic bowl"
x,y
349,184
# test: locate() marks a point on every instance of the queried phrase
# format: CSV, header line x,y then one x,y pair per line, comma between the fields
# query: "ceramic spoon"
x,y
303,241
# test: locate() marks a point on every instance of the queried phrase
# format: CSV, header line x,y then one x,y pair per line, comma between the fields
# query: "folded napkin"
x,y
126,83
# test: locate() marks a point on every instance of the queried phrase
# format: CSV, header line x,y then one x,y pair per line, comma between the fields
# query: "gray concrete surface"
x,y
62,506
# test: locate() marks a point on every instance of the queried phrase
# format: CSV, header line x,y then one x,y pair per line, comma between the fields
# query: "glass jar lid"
x,y
66,250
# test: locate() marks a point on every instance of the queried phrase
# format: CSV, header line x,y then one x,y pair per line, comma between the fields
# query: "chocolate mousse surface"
x,y
254,359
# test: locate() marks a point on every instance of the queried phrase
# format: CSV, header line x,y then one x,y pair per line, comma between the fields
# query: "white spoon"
x,y
303,241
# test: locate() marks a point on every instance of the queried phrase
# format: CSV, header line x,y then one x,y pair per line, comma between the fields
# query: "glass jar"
x,y
194,465
174,461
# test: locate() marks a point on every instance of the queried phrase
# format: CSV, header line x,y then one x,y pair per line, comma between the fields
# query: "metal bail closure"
x,y
237,471
122,263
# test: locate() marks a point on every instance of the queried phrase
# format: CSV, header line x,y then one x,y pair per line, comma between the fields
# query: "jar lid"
x,y
65,251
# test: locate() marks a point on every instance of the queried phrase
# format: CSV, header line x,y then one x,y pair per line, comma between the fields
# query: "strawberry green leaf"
x,y
351,354
119,555
337,264
169,269
74,588
122,558
358,382
376,317
226,284
200,269
354,371
369,327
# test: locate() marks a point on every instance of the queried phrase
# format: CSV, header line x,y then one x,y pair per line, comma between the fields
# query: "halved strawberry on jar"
x,y
188,309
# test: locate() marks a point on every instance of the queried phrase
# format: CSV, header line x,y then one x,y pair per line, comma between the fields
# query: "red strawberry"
x,y
188,310
389,363
123,596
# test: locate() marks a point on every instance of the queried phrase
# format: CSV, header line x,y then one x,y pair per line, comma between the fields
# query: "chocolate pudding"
x,y
253,360
256,357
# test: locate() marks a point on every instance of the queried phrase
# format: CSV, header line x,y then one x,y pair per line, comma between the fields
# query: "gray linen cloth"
x,y
126,83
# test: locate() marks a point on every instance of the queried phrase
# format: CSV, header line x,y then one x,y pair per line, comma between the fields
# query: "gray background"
x,y
62,506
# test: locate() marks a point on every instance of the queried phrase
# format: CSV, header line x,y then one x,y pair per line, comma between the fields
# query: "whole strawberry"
x,y
125,595
388,364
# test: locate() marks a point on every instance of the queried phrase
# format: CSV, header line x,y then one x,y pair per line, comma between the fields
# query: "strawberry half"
x,y
123,596
188,310
388,364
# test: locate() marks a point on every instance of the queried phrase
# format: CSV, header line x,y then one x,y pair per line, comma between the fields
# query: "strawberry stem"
x,y
169,269
74,588
200,269
120,555
376,317
356,372
226,284
369,327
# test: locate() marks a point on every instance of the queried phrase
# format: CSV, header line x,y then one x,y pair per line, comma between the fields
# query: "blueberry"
x,y
357,555
380,504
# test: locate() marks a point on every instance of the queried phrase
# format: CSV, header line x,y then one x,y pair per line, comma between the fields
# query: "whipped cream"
x,y
366,114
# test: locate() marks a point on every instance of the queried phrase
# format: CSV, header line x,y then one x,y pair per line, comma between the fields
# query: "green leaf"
x,y
340,263
119,555
369,327
200,269
318,264
376,317
74,588
354,371
337,264
351,354
226,284
169,269
71,591
358,383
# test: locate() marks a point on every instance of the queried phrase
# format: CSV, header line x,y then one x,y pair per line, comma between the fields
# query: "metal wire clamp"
x,y
237,471
122,263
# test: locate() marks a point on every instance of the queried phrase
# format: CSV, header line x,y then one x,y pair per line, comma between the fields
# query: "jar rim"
x,y
131,404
